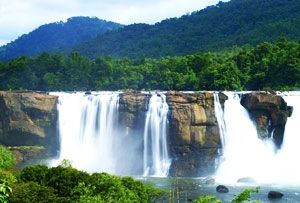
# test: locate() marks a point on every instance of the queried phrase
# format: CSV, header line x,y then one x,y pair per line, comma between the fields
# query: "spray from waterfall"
x,y
87,126
156,158
245,155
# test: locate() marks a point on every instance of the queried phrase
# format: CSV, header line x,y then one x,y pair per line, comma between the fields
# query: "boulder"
x,y
269,112
28,118
194,137
275,195
222,189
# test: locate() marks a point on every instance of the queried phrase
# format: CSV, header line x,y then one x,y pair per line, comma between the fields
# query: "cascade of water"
x,y
87,130
156,158
245,155
220,118
286,164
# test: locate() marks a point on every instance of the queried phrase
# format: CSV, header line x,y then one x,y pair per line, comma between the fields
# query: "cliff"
x,y
194,133
28,119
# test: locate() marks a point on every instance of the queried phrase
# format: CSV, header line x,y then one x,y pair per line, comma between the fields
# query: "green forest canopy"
x,y
265,66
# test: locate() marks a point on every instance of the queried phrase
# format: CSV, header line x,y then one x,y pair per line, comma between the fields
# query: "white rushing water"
x,y
87,130
93,140
156,158
245,155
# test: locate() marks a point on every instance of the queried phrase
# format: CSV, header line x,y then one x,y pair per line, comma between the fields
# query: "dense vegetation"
x,y
55,36
65,184
266,66
237,22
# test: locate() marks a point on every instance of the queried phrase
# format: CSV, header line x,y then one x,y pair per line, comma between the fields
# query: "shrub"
x,y
64,180
36,173
5,192
206,199
33,192
8,177
245,195
7,158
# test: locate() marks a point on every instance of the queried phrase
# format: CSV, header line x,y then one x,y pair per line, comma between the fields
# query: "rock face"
x,y
28,119
131,120
270,113
193,133
194,137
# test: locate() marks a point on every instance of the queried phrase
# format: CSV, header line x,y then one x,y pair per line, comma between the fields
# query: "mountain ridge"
x,y
55,36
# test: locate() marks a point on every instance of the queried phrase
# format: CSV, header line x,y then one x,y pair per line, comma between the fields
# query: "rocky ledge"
x,y
28,119
194,134
269,112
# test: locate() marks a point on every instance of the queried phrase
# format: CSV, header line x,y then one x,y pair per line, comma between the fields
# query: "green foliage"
x,y
7,158
33,192
244,196
5,191
36,173
266,66
237,22
8,177
206,199
65,184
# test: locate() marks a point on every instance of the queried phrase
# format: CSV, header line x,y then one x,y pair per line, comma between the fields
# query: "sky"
x,y
19,17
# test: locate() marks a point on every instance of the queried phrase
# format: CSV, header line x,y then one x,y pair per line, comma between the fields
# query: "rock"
x,y
88,93
275,195
270,113
193,133
246,180
222,189
209,181
132,109
28,154
28,118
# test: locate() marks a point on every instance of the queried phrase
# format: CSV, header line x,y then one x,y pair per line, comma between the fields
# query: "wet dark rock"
x,y
270,113
275,195
222,189
88,93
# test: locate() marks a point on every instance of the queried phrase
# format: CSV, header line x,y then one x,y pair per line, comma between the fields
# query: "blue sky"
x,y
18,17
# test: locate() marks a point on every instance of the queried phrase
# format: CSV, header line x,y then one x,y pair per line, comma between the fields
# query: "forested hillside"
x,y
55,36
237,22
266,66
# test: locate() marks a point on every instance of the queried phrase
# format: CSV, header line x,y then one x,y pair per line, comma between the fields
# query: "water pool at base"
x,y
188,189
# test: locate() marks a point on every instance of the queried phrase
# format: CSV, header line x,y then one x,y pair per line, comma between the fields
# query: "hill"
x,y
234,23
55,36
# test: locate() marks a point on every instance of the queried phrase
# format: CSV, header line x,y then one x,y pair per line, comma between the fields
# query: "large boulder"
x,y
28,119
194,137
270,113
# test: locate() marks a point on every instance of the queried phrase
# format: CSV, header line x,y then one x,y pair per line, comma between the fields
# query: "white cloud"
x,y
22,16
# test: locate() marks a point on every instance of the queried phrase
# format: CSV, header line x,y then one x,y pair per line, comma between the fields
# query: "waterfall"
x,y
87,126
92,138
245,155
220,118
156,158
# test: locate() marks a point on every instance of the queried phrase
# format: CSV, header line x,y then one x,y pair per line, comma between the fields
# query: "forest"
x,y
266,66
